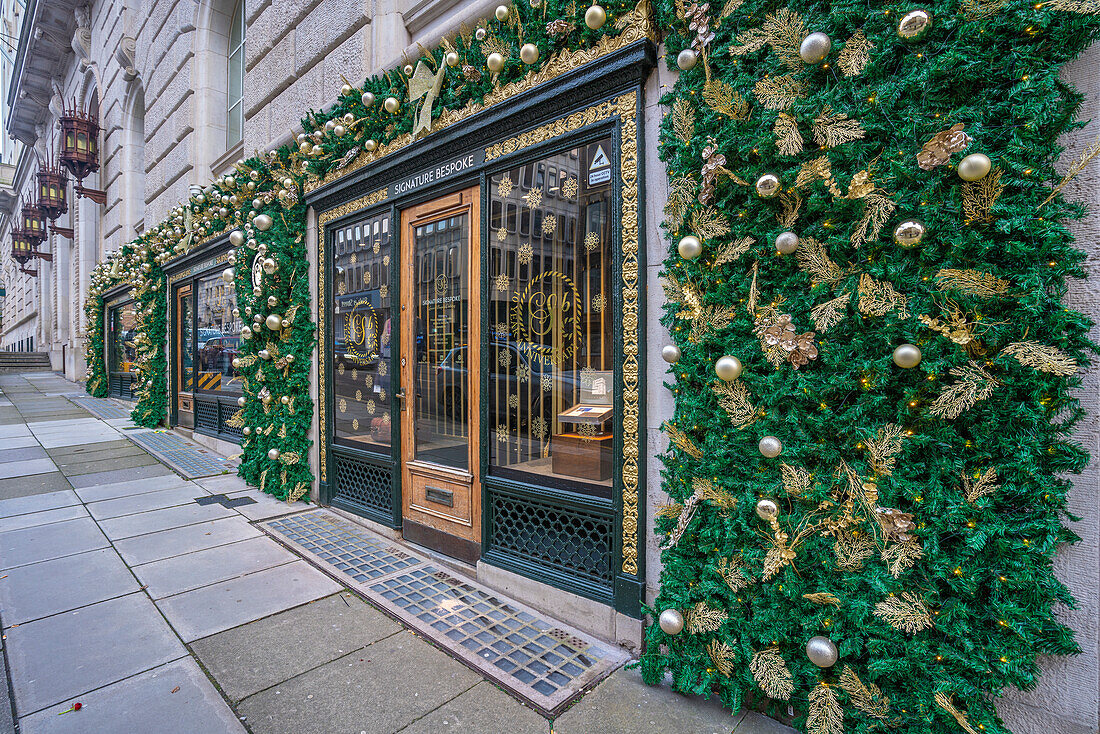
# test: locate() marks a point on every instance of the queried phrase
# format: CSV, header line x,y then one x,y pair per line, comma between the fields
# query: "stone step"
x,y
24,362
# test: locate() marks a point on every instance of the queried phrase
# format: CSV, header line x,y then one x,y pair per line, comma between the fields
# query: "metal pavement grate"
x,y
542,662
185,458
102,408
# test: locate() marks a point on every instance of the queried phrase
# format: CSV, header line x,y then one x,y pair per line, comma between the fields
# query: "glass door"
x,y
440,361
185,349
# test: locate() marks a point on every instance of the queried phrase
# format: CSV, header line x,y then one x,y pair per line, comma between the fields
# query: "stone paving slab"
x,y
377,690
146,703
227,604
13,453
50,587
224,483
145,502
106,461
266,506
66,655
32,485
91,449
128,526
187,539
38,503
248,659
191,571
482,709
14,469
102,492
7,724
45,542
18,442
18,522
17,429
120,475
72,438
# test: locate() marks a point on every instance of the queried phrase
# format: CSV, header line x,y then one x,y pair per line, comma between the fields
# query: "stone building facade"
x,y
185,88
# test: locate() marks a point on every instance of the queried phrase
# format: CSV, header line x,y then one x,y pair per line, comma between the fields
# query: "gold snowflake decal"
x,y
525,253
354,258
341,368
354,373
382,368
588,376
569,188
355,424
549,224
598,303
358,396
343,405
502,234
502,433
523,373
592,241
505,186
500,330
513,401
384,291
342,288
376,247
538,427
547,382
504,358
371,407
366,277
382,395
503,283
369,381
533,198
588,430
386,260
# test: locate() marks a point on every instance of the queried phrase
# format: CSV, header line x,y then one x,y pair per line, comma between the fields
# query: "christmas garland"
x,y
872,364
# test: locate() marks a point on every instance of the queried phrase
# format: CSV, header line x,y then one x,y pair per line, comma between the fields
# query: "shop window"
x,y
551,374
235,99
217,336
121,351
362,338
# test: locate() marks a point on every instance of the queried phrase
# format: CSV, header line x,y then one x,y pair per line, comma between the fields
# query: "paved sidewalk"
x,y
160,613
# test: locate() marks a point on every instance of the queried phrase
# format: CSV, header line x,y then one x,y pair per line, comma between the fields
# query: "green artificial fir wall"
x,y
95,354
828,485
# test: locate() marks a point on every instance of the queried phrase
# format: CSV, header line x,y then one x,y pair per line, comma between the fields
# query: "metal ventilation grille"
x,y
365,485
206,415
573,541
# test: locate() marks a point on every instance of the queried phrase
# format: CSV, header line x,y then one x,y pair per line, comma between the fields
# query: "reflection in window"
x,y
235,102
187,341
217,335
121,351
362,335
550,323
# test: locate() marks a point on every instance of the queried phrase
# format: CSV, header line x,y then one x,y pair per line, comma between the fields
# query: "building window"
x,y
235,100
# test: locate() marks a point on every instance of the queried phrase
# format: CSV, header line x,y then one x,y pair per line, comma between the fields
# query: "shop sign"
x,y
439,173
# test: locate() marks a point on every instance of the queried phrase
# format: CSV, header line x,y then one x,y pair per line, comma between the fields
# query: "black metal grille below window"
x,y
226,411
365,485
206,415
575,542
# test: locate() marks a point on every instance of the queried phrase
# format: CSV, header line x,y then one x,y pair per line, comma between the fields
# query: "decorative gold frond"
x,y
796,480
878,298
779,92
980,196
899,557
827,315
791,202
721,655
722,98
730,7
943,700
716,496
981,9
672,509
882,450
974,385
687,512
683,120
971,282
867,697
851,551
683,294
980,485
831,129
1041,357
877,210
813,260
818,169
748,41
823,598
703,618
237,421
708,224
731,571
788,140
784,31
825,715
680,440
681,193
905,612
1084,7
1090,152
779,555
771,673
733,397
853,58
731,251
710,320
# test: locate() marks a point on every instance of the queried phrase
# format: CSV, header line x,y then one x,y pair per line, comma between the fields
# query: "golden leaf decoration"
x,y
851,551
940,146
711,319
748,42
1041,357
779,92
905,612
732,251
878,298
722,98
943,700
716,496
796,480
703,618
1081,163
708,224
791,202
730,7
778,557
672,509
1084,7
685,295
771,673
784,31
974,385
680,440
813,259
877,210
825,715
237,421
788,141
733,397
899,557
681,193
867,698
827,315
981,9
981,485
721,655
731,571
980,196
818,169
971,282
853,58
823,598
882,450
683,120
831,129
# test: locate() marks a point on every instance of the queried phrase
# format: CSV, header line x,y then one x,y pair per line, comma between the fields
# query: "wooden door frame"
x,y
468,540
187,290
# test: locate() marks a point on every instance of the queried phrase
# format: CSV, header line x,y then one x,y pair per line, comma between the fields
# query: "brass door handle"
x,y
400,395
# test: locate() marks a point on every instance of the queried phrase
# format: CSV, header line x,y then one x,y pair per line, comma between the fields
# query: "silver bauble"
x,y
290,358
408,70
770,446
786,243
907,356
264,354
821,651
495,62
909,233
273,454
235,363
728,368
670,353
452,58
345,90
339,131
269,265
246,431
263,222
371,145
240,401
529,53
671,621
767,508
689,247
480,34
768,185
392,105
595,17
349,118
815,47
285,400
232,259
227,275
272,300
687,59
236,238
246,333
330,125
285,324
914,25
502,13
367,99
223,213
974,167
274,322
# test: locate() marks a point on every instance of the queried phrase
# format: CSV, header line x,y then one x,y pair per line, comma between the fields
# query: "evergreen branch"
x,y
906,613
710,319
788,140
867,698
721,655
984,484
943,700
732,251
853,58
980,196
813,260
825,715
771,673
831,129
971,282
822,598
974,385
827,315
703,618
733,397
1041,357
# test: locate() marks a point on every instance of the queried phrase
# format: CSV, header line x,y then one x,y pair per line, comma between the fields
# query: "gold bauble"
x,y
670,353
269,265
371,144
367,99
907,356
914,25
285,400
529,53
728,368
329,125
274,322
264,354
974,167
345,90
227,275
408,70
263,222
909,233
821,651
236,238
392,105
348,118
501,13
595,17
452,59
246,431
671,621
770,446
687,59
495,62
786,243
273,454
689,247
815,47
339,131
768,185
767,508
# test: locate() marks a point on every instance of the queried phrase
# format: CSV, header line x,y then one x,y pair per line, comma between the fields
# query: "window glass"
x,y
551,378
120,338
217,335
187,342
362,336
235,88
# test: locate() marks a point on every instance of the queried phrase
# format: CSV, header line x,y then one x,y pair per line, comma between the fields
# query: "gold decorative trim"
x,y
218,260
575,121
638,26
351,206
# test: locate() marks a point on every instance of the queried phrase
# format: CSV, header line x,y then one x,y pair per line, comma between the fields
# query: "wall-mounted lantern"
x,y
52,196
80,149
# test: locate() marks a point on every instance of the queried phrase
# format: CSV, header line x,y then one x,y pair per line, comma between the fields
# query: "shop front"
x,y
120,315
205,339
479,336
